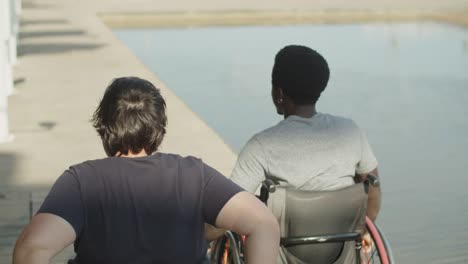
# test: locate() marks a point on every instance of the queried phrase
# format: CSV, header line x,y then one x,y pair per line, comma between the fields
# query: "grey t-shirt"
x,y
319,153
140,210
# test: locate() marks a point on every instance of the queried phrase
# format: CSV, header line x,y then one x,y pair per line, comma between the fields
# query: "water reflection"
x,y
405,84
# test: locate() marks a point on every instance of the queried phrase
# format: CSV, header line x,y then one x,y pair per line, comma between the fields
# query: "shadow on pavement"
x,y
58,33
27,22
29,49
8,166
33,5
17,204
11,211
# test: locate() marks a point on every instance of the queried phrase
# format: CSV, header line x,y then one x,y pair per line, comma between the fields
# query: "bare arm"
x,y
42,239
213,233
374,196
246,215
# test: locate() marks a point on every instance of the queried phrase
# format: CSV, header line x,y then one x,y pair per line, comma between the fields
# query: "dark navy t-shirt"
x,y
140,210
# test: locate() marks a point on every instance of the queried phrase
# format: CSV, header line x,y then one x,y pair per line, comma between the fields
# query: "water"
x,y
406,85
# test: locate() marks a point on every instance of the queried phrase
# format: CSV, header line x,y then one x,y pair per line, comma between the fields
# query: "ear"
x,y
280,96
277,94
278,99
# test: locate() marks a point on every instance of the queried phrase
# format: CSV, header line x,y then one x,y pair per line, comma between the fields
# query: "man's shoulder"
x,y
338,118
181,161
340,122
158,156
320,119
267,133
89,164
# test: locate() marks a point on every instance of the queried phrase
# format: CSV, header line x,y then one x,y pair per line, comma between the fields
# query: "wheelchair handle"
x,y
269,185
373,180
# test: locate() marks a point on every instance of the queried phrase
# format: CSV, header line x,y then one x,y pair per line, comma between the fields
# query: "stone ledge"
x,y
241,18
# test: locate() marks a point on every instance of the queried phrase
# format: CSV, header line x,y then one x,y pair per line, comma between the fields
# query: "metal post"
x,y
4,133
5,79
14,28
6,74
7,68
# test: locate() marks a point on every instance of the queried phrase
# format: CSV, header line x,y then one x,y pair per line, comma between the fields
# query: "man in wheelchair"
x,y
310,151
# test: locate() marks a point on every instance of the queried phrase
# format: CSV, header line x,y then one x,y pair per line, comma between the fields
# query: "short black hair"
x,y
301,72
131,117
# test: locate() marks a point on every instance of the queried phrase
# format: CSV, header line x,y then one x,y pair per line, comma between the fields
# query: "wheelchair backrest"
x,y
311,213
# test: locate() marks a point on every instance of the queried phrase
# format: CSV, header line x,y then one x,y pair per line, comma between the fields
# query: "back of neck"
x,y
304,111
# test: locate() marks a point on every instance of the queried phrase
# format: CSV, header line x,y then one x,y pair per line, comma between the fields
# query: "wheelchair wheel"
x,y
381,251
228,249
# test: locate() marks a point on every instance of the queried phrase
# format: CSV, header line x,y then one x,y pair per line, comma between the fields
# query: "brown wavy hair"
x,y
131,117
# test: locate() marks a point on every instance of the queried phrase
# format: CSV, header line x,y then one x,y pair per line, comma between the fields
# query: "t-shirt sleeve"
x,y
368,162
64,200
217,192
249,171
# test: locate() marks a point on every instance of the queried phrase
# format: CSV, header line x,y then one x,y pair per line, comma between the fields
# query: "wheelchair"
x,y
316,227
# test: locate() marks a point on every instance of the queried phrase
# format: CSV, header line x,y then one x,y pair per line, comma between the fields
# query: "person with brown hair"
x,y
139,205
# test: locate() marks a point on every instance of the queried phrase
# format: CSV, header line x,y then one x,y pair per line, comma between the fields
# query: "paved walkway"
x,y
67,56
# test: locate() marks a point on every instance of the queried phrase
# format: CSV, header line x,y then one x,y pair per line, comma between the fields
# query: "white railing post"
x,y
6,81
5,33
4,131
6,73
14,29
